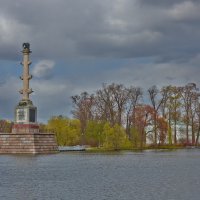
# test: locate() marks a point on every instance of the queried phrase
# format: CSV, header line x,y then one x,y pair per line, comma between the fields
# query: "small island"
x,y
116,117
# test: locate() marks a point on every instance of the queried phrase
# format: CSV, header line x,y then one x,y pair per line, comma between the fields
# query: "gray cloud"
x,y
43,69
52,97
9,91
160,74
151,41
116,28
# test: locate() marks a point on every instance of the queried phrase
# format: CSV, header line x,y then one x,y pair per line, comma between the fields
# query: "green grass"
x,y
151,147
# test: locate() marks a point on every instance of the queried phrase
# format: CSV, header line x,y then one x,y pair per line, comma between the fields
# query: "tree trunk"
x,y
155,129
141,139
197,139
187,134
175,138
169,130
198,133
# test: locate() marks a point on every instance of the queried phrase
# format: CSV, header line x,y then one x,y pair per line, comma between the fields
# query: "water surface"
x,y
161,175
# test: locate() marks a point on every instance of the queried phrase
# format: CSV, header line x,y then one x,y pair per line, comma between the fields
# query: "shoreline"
x,y
167,148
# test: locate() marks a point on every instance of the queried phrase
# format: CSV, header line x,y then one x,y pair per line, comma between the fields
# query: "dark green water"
x,y
173,175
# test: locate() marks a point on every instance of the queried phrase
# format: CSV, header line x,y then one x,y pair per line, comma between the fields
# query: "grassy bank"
x,y
136,149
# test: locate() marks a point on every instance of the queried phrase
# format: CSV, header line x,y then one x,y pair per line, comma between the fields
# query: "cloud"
x,y
81,44
43,69
160,74
8,93
11,33
186,10
52,97
129,28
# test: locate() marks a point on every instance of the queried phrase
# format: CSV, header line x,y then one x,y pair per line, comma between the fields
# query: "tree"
x,y
166,109
162,129
187,94
83,110
197,110
194,115
171,109
94,133
106,105
67,131
175,105
156,103
5,126
115,136
120,94
134,96
110,103
143,118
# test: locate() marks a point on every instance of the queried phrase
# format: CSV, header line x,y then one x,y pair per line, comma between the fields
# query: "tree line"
x,y
169,115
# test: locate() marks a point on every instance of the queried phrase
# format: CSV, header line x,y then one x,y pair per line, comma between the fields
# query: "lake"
x,y
149,175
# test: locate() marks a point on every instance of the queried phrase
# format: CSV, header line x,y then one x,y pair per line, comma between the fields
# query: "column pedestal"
x,y
28,143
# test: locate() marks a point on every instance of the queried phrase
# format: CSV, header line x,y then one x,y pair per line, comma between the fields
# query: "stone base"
x,y
27,143
25,128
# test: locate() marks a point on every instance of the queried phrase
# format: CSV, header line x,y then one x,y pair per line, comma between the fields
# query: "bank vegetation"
x,y
119,117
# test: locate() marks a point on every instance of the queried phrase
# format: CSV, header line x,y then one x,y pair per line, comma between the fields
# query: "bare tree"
x,y
134,97
197,110
171,109
194,116
175,105
143,115
156,103
166,109
111,101
106,104
120,94
83,110
187,94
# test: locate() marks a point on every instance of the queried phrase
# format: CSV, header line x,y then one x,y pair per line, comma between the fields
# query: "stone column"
x,y
25,111
26,76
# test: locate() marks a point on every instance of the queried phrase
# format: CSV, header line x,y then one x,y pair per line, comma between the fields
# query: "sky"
x,y
79,44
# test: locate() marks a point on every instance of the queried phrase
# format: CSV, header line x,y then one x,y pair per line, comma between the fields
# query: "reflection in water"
x,y
110,176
